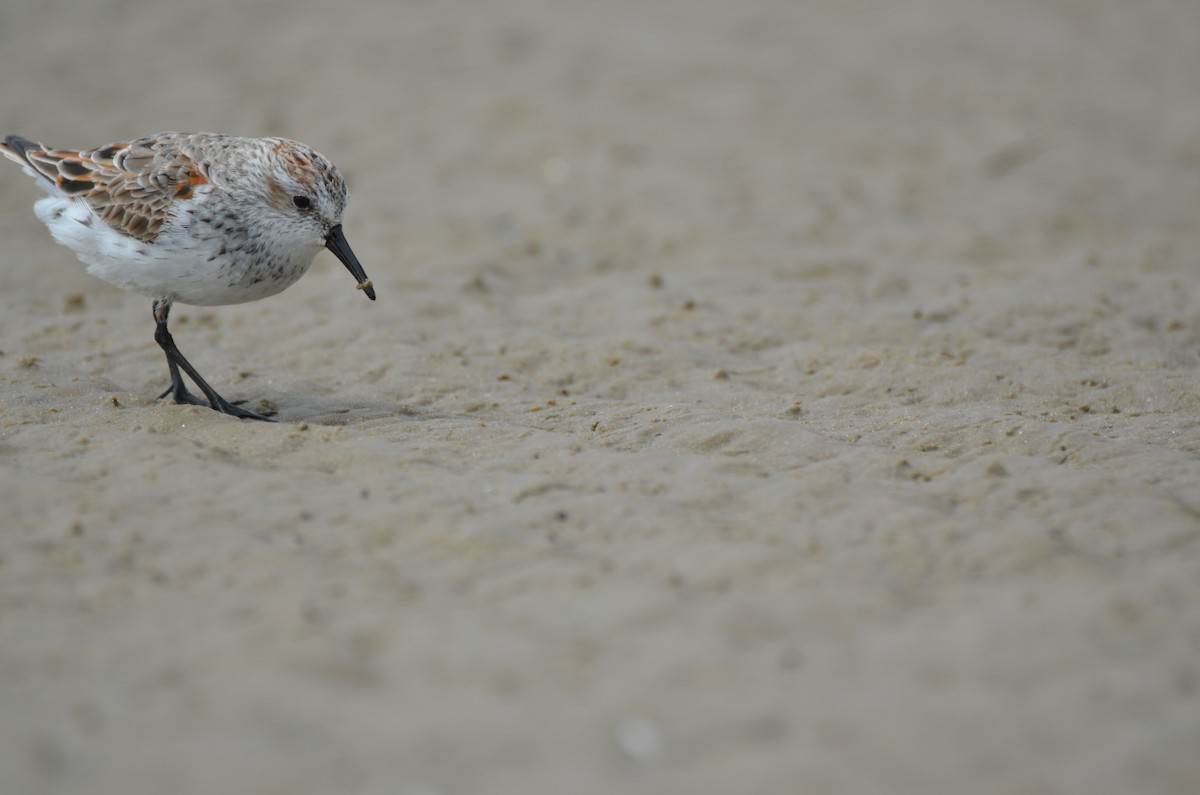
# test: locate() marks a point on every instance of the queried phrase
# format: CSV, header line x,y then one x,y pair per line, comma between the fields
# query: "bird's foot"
x,y
183,397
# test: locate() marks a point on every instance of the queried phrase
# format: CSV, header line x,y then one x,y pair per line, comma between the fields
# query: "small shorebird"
x,y
197,218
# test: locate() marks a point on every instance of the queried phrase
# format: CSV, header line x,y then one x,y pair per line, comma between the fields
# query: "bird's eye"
x,y
302,202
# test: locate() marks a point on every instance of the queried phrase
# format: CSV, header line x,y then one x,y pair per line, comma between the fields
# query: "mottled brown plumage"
x,y
130,186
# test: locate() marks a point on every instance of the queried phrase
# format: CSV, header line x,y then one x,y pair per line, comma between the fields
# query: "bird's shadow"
x,y
339,411
317,410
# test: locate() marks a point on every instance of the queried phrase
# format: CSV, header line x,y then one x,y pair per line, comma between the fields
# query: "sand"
x,y
762,397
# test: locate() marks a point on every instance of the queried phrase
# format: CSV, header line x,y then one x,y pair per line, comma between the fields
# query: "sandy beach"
x,y
762,397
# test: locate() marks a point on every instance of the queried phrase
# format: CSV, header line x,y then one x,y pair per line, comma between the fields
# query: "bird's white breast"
x,y
187,262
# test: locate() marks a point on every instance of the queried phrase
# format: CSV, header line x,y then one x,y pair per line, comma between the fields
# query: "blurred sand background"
x,y
762,397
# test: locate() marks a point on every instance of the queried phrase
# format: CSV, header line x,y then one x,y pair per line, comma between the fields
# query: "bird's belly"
x,y
182,266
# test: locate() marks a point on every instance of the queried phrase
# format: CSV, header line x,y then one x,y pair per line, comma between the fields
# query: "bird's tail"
x,y
15,147
18,150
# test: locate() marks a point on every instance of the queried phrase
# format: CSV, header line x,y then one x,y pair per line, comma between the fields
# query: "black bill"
x,y
335,241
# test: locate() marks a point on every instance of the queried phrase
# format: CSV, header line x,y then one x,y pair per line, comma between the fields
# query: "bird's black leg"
x,y
176,361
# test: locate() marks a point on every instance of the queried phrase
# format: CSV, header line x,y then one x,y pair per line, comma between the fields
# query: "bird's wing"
x,y
130,185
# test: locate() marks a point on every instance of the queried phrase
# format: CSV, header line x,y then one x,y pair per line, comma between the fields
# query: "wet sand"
x,y
763,397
